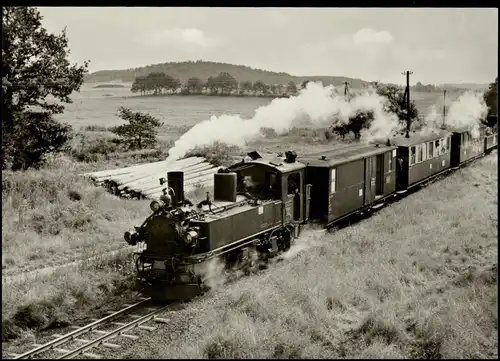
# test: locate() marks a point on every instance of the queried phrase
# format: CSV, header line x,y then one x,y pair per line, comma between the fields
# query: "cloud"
x,y
187,36
370,36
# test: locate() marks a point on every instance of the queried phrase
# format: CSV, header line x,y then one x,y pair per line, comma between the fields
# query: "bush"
x,y
140,132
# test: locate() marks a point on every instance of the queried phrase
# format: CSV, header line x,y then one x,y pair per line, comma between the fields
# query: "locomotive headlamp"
x,y
191,236
154,205
130,238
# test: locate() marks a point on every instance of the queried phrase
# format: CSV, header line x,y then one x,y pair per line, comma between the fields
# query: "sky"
x,y
439,45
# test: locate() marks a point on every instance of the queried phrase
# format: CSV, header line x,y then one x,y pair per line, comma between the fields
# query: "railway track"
x,y
95,336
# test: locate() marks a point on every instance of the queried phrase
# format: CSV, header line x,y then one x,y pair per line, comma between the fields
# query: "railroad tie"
x,y
56,335
149,328
101,332
75,327
82,340
135,316
62,350
161,320
111,345
92,355
119,323
132,337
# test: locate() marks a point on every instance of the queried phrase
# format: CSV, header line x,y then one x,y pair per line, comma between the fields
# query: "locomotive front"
x,y
164,243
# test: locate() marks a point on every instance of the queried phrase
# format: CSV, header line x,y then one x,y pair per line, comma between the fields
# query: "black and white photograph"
x,y
249,182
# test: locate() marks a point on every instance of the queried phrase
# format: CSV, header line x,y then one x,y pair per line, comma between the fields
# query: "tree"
x,y
491,98
291,88
396,103
226,83
361,120
36,78
246,87
140,132
139,85
194,85
259,87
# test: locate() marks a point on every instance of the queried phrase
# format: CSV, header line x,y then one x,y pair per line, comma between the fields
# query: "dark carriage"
x,y
349,179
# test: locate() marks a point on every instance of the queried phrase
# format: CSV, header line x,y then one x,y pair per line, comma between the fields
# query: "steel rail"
x,y
112,334
70,336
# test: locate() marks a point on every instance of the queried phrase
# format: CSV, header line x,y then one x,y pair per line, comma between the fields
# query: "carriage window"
x,y
412,155
465,139
430,150
437,149
424,151
443,146
419,153
390,164
448,141
293,183
334,176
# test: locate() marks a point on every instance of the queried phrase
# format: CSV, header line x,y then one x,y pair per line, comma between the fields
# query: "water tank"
x,y
225,187
175,181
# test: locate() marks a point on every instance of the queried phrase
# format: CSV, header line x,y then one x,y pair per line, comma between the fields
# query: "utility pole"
x,y
407,93
444,110
346,88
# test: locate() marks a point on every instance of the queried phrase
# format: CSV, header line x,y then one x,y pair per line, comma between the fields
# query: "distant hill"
x,y
203,69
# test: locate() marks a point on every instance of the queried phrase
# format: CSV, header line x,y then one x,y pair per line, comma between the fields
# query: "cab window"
x,y
412,155
293,183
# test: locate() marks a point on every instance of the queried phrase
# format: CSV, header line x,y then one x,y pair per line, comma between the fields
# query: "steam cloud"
x,y
321,106
466,111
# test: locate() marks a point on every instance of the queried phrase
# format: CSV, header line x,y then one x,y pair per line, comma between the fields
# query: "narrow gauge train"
x,y
260,205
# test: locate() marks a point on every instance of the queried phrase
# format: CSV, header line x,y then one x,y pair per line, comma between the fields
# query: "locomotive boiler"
x,y
257,209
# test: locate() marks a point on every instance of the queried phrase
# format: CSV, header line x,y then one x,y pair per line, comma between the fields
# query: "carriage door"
x,y
379,189
370,179
402,168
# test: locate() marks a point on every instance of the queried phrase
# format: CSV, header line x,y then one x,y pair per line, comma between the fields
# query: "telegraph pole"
x,y
346,88
407,93
444,110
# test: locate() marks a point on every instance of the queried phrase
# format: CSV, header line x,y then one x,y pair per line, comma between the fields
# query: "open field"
x,y
416,280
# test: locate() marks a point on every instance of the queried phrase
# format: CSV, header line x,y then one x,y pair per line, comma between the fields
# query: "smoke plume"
x,y
466,111
320,106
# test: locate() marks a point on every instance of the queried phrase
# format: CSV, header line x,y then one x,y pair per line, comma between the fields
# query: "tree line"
x,y
159,83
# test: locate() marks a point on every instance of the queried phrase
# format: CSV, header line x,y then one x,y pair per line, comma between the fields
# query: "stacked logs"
x,y
143,181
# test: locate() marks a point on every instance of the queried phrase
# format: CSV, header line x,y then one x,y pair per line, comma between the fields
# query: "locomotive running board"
x,y
377,206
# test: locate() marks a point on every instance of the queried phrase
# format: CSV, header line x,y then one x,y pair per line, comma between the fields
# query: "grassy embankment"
x,y
416,280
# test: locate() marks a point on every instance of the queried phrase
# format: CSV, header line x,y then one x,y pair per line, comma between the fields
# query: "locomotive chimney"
x,y
175,181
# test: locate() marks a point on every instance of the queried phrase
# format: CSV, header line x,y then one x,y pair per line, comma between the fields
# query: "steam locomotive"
x,y
260,205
